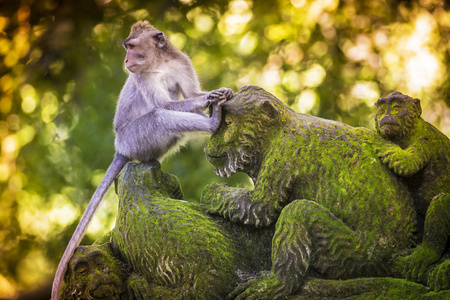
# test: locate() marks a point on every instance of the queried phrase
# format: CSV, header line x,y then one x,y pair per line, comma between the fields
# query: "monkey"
x,y
149,122
420,154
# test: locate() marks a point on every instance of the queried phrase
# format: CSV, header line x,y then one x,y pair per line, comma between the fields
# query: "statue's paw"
x,y
260,288
439,277
210,197
386,157
138,287
416,265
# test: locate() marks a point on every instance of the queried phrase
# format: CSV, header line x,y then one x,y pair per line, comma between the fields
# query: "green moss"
x,y
168,241
369,214
325,210
416,151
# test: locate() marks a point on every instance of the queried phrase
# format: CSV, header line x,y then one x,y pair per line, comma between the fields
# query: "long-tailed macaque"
x,y
148,121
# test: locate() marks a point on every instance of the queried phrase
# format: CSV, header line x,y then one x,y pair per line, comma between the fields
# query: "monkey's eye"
x,y
129,46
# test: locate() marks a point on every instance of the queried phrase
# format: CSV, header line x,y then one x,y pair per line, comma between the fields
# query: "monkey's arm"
x,y
405,162
200,103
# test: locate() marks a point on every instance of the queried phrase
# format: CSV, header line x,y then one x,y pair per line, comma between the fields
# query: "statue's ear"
x,y
270,111
417,106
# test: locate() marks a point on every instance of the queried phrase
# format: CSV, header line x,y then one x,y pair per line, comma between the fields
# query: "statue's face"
x,y
231,148
395,118
390,117
93,274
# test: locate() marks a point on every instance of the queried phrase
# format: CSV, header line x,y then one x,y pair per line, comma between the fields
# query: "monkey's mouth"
x,y
131,68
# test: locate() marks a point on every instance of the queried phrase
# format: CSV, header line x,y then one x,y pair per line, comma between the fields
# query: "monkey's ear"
x,y
160,39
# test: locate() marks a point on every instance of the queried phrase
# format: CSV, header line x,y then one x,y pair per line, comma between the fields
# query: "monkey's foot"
x,y
439,277
265,287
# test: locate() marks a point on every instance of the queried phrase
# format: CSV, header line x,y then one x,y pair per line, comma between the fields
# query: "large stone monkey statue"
x,y
339,212
324,203
416,151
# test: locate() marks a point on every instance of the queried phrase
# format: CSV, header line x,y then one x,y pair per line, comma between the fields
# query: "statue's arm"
x,y
437,224
259,207
436,234
405,162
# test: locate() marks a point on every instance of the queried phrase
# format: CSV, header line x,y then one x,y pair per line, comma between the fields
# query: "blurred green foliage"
x,y
62,69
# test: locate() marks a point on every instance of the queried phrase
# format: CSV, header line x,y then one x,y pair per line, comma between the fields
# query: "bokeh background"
x,y
61,70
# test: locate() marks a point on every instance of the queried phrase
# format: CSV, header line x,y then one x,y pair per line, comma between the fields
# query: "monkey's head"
x,y
94,273
145,47
396,116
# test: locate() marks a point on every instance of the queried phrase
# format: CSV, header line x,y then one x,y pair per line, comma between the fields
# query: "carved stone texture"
x,y
94,273
420,154
178,249
191,247
339,211
324,211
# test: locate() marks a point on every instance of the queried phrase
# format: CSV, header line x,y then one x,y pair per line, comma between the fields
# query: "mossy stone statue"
x,y
326,219
420,154
112,268
339,211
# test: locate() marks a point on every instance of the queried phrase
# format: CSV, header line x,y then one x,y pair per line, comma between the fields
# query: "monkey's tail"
x,y
113,170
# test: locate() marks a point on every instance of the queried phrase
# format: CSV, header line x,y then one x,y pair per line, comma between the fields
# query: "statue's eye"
x,y
82,269
381,109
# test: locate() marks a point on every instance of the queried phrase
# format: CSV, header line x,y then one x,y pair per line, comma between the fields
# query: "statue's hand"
x,y
211,197
138,287
439,277
416,265
398,162
264,287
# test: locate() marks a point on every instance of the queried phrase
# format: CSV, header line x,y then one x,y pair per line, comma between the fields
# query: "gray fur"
x,y
149,120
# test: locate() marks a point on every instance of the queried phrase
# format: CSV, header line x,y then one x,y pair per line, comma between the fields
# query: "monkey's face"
x,y
93,274
135,59
144,49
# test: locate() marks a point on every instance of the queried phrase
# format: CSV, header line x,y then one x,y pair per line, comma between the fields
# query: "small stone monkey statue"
x,y
418,152
95,272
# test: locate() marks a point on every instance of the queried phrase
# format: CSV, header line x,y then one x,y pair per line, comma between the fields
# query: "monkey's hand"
x,y
439,277
220,94
216,115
